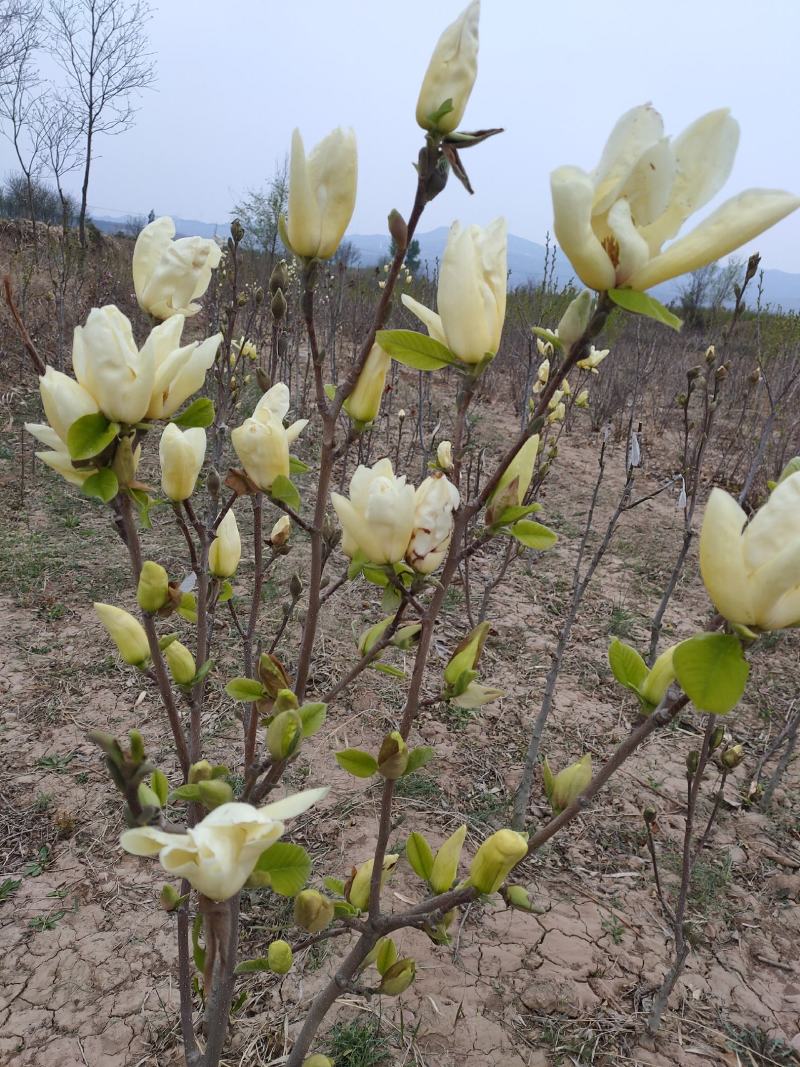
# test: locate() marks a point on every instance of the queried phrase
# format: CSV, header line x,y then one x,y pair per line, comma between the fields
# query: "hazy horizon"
x,y
228,94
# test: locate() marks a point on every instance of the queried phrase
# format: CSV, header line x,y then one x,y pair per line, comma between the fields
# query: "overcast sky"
x,y
235,77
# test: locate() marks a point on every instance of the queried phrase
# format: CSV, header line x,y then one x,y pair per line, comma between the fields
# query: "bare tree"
x,y
102,47
706,290
59,134
260,210
19,93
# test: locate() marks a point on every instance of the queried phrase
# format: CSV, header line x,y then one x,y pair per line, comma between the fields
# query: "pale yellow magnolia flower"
x,y
471,297
378,519
262,442
434,504
219,854
59,458
542,374
246,349
544,348
612,223
555,400
111,368
558,414
226,548
179,370
582,399
169,275
364,402
451,72
181,454
594,359
126,632
752,569
322,193
444,455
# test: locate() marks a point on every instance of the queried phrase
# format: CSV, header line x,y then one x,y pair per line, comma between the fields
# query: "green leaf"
x,y
160,786
390,601
374,574
387,668
344,908
199,413
189,793
418,757
356,565
89,435
143,504
416,350
330,391
245,689
419,855
436,116
225,592
103,485
296,466
312,716
387,955
642,304
509,515
198,952
356,762
202,672
188,607
251,966
283,490
288,867
712,671
792,467
627,665
335,885
533,534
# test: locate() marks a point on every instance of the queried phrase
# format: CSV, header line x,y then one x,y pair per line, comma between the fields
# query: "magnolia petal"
x,y
572,192
333,174
784,612
735,223
148,840
428,318
704,155
290,806
637,131
774,526
303,221
294,431
46,434
274,402
150,246
649,186
61,464
722,558
633,251
780,575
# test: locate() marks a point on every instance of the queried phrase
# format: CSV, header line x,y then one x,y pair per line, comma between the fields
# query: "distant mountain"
x,y
525,259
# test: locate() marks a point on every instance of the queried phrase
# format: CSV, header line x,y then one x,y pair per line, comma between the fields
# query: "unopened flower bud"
x,y
496,857
213,483
263,379
278,305
214,792
237,231
295,586
272,675
169,899
566,786
358,891
721,373
717,737
126,460
393,756
467,653
711,354
445,865
575,319
180,662
444,455
401,414
279,957
147,797
152,591
692,762
398,229
693,373
313,911
200,772
398,978
126,632
649,815
517,896
732,757
284,734
279,279
280,531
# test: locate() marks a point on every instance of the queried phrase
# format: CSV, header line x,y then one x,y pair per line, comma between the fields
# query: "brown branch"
x,y
39,364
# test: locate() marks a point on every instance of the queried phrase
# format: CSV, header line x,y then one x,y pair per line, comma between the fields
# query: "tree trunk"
x,y
85,187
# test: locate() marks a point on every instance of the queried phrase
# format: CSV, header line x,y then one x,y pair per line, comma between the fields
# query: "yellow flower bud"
x,y
495,859
280,531
467,653
181,454
732,757
444,455
284,734
398,978
322,194
152,591
393,756
358,893
313,911
364,402
568,784
180,662
451,73
575,319
519,473
226,548
582,399
445,866
214,792
200,771
279,957
126,632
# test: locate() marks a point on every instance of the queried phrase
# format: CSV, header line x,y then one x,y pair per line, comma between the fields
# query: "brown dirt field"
x,y
87,959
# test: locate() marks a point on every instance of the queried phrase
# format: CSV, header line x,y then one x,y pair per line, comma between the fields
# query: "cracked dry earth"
x,y
87,961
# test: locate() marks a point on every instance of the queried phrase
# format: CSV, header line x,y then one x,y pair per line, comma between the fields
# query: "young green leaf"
x,y
296,466
225,592
712,671
511,514
416,350
643,304
103,485
418,757
388,668
89,435
312,716
283,490
245,689
335,885
387,955
356,762
252,966
420,855
534,535
626,664
288,867
200,413
547,335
